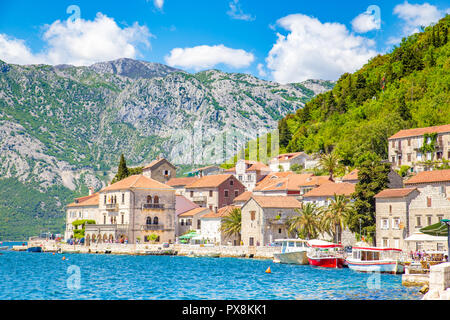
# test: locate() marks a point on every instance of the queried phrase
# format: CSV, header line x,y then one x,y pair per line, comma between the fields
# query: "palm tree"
x,y
335,217
231,224
306,223
329,162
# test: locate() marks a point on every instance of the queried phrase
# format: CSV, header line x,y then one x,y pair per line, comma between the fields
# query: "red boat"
x,y
325,254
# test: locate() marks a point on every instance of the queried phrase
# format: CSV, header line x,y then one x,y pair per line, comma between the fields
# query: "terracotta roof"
x,y
195,211
243,196
137,181
430,177
316,181
330,189
91,200
222,212
155,162
395,193
276,182
420,131
352,175
230,170
290,156
277,202
183,204
259,166
179,182
212,181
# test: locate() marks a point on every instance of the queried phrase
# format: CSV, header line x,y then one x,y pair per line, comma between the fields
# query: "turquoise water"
x,y
46,276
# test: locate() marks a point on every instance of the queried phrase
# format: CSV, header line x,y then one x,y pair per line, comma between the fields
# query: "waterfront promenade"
x,y
158,249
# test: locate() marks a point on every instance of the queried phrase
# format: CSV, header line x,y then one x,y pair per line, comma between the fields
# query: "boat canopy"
x,y
290,240
323,244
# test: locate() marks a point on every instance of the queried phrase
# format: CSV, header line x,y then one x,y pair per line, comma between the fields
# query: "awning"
x,y
437,229
419,236
189,235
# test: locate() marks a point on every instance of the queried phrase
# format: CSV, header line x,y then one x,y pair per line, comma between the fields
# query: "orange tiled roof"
x,y
420,131
316,181
91,200
277,202
212,181
275,181
183,181
259,166
155,162
195,211
243,196
222,212
352,175
290,156
394,193
136,181
330,189
430,177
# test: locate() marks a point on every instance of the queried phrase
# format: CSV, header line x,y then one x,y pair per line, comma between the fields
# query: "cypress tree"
x,y
122,170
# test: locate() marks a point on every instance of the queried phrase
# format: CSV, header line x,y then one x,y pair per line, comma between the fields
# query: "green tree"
x,y
285,134
306,224
231,224
336,216
373,178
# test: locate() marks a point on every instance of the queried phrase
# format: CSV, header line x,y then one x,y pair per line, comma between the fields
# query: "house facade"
x,y
211,227
84,208
406,147
190,220
264,219
132,210
425,201
179,184
214,191
249,173
285,161
160,170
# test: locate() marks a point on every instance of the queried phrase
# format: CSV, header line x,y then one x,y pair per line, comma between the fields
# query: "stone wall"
x,y
439,282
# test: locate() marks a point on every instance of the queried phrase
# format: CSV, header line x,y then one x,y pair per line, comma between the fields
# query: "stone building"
x,y
190,220
214,191
405,147
401,213
160,170
264,219
84,208
285,161
249,173
130,210
179,184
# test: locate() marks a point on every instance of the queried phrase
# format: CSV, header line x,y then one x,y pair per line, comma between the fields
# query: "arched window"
x,y
155,220
149,220
156,199
149,199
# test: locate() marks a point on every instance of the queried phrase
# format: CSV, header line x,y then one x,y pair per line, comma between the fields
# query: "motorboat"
x,y
366,258
325,254
293,251
34,249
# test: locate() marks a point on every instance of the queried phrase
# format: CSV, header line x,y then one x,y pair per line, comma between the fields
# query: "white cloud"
x,y
81,42
204,57
364,22
236,12
261,71
158,3
416,15
315,50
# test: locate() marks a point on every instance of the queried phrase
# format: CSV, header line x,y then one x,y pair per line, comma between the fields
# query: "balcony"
x,y
149,227
199,199
112,206
147,206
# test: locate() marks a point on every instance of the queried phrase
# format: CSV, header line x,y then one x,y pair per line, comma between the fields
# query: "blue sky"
x,y
284,41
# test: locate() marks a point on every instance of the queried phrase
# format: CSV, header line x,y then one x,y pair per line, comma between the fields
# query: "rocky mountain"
x,y
63,128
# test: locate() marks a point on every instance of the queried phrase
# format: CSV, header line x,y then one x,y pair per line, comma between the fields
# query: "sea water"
x,y
26,275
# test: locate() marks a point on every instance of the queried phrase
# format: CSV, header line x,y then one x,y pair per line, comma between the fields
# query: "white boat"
x,y
365,258
325,254
293,251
